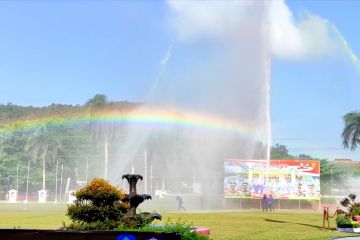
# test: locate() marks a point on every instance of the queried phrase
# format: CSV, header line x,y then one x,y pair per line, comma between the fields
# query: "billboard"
x,y
283,179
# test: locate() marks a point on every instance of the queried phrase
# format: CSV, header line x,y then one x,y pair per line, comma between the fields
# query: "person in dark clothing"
x,y
180,203
271,203
265,203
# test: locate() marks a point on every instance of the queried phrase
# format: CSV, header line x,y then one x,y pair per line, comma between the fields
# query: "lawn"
x,y
258,225
224,225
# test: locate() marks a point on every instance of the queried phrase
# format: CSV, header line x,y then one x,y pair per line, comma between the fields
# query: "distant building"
x,y
346,162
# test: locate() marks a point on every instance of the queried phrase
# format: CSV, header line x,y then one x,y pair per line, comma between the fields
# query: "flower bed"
x,y
348,221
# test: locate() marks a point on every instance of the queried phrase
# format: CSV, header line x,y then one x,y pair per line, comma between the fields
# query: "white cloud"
x,y
308,38
311,37
212,19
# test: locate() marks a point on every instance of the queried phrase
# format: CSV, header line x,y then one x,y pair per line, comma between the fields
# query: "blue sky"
x,y
309,98
67,51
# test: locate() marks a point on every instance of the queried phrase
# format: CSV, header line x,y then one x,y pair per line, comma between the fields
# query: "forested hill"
x,y
45,148
11,112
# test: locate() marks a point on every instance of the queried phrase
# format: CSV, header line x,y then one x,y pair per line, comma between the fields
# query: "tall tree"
x,y
101,130
98,101
39,144
351,132
280,152
326,176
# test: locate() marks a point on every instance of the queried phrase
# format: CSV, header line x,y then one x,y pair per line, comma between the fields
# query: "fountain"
x,y
134,201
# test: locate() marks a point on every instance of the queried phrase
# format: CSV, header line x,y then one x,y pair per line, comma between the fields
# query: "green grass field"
x,y
224,225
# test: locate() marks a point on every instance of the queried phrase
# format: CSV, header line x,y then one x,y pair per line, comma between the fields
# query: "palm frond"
x,y
351,132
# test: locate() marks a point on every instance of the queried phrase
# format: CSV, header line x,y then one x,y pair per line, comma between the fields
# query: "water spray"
x,y
349,52
268,120
163,64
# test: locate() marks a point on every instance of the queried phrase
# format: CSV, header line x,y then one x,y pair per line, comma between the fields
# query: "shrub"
x,y
343,221
101,206
92,213
98,225
98,206
355,224
355,209
100,192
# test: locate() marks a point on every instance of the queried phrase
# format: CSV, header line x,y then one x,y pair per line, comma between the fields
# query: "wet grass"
x,y
258,225
224,225
42,216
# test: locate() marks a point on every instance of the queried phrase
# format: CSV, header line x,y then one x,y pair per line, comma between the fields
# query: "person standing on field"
x,y
265,203
180,203
271,203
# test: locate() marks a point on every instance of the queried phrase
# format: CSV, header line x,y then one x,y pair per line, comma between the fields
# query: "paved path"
x,y
348,238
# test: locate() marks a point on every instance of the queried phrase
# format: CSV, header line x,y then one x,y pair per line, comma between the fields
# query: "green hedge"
x,y
182,227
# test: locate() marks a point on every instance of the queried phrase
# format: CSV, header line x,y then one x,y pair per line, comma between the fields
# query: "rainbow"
x,y
142,117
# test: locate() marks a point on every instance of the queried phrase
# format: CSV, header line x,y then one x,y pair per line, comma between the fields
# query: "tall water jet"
x,y
268,117
226,76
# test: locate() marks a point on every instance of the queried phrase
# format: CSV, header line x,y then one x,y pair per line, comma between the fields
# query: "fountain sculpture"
x,y
135,200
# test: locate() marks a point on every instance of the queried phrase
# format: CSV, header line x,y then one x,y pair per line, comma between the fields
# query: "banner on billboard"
x,y
283,179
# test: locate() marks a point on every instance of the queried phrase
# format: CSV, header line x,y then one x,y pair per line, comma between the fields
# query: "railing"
x,y
326,216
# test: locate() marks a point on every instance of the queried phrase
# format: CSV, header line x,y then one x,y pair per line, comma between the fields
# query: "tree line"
x,y
53,153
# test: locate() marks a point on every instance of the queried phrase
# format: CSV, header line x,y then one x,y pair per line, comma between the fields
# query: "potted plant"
x,y
348,221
